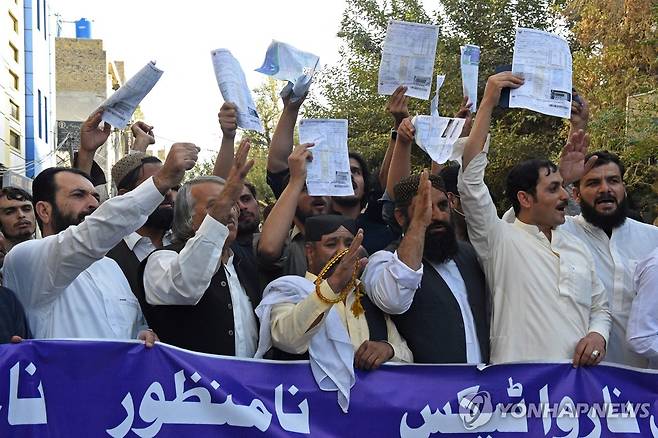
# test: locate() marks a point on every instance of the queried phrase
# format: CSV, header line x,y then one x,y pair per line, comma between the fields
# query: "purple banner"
x,y
95,389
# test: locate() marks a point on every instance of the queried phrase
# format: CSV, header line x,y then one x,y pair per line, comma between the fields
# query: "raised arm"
x,y
277,225
282,139
401,158
143,135
55,261
398,109
91,138
228,121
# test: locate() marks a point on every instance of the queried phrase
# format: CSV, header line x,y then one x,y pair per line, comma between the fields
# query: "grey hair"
x,y
181,226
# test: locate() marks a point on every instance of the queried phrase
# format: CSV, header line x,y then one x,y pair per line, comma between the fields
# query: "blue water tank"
x,y
83,29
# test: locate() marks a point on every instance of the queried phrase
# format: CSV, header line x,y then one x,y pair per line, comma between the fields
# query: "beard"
x,y
247,225
160,219
442,246
605,221
62,221
346,201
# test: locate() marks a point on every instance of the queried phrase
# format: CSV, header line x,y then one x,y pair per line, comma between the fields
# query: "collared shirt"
x,y
546,295
292,324
291,262
642,333
172,278
68,287
616,258
391,285
142,245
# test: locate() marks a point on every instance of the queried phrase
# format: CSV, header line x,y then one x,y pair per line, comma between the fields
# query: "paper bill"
x,y
470,62
437,135
408,58
233,86
287,63
544,60
329,172
121,105
434,103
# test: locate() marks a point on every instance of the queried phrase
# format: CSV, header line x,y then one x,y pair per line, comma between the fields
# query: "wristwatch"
x,y
394,134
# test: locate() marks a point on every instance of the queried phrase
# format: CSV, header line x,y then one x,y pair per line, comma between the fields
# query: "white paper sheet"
x,y
121,105
329,172
408,58
287,63
434,104
470,62
437,135
544,60
233,86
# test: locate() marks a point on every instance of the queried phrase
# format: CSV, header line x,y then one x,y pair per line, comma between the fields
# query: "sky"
x,y
179,36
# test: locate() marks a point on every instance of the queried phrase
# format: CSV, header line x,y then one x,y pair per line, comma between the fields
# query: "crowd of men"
x,y
411,268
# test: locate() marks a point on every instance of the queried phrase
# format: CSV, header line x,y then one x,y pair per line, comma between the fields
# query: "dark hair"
x,y
366,175
449,175
15,194
44,187
252,189
129,182
524,178
602,158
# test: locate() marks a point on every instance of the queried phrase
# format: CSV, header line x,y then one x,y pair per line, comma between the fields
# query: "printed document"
x,y
434,103
233,86
329,172
287,63
120,106
437,135
544,60
408,58
470,62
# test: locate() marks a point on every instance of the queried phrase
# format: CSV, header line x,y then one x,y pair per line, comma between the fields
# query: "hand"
x,y
397,105
220,208
91,136
149,337
572,159
181,157
16,340
464,112
143,134
406,131
290,106
496,83
343,271
371,354
228,119
422,202
297,162
579,112
586,346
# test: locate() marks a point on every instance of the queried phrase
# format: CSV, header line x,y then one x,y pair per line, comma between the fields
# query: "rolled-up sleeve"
x,y
389,283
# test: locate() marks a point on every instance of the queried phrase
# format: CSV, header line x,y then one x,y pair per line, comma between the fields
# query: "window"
x,y
14,140
39,109
14,80
14,22
45,115
15,112
14,51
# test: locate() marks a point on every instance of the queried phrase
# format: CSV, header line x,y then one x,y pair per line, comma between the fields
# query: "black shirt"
x,y
12,317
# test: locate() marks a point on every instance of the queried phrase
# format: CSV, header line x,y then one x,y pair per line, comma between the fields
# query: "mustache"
x,y
605,197
438,224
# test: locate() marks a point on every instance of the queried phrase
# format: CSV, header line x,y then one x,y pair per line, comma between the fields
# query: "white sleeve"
x,y
642,331
389,283
172,278
37,270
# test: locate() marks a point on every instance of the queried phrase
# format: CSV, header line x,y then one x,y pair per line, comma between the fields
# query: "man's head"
x,y
191,206
132,170
360,182
449,175
601,192
17,220
307,205
440,239
249,218
534,187
62,197
325,236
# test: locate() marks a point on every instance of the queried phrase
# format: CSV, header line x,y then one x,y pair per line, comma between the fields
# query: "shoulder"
x,y
646,230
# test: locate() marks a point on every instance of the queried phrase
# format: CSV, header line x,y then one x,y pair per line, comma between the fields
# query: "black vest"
x,y
376,328
206,327
433,326
129,264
